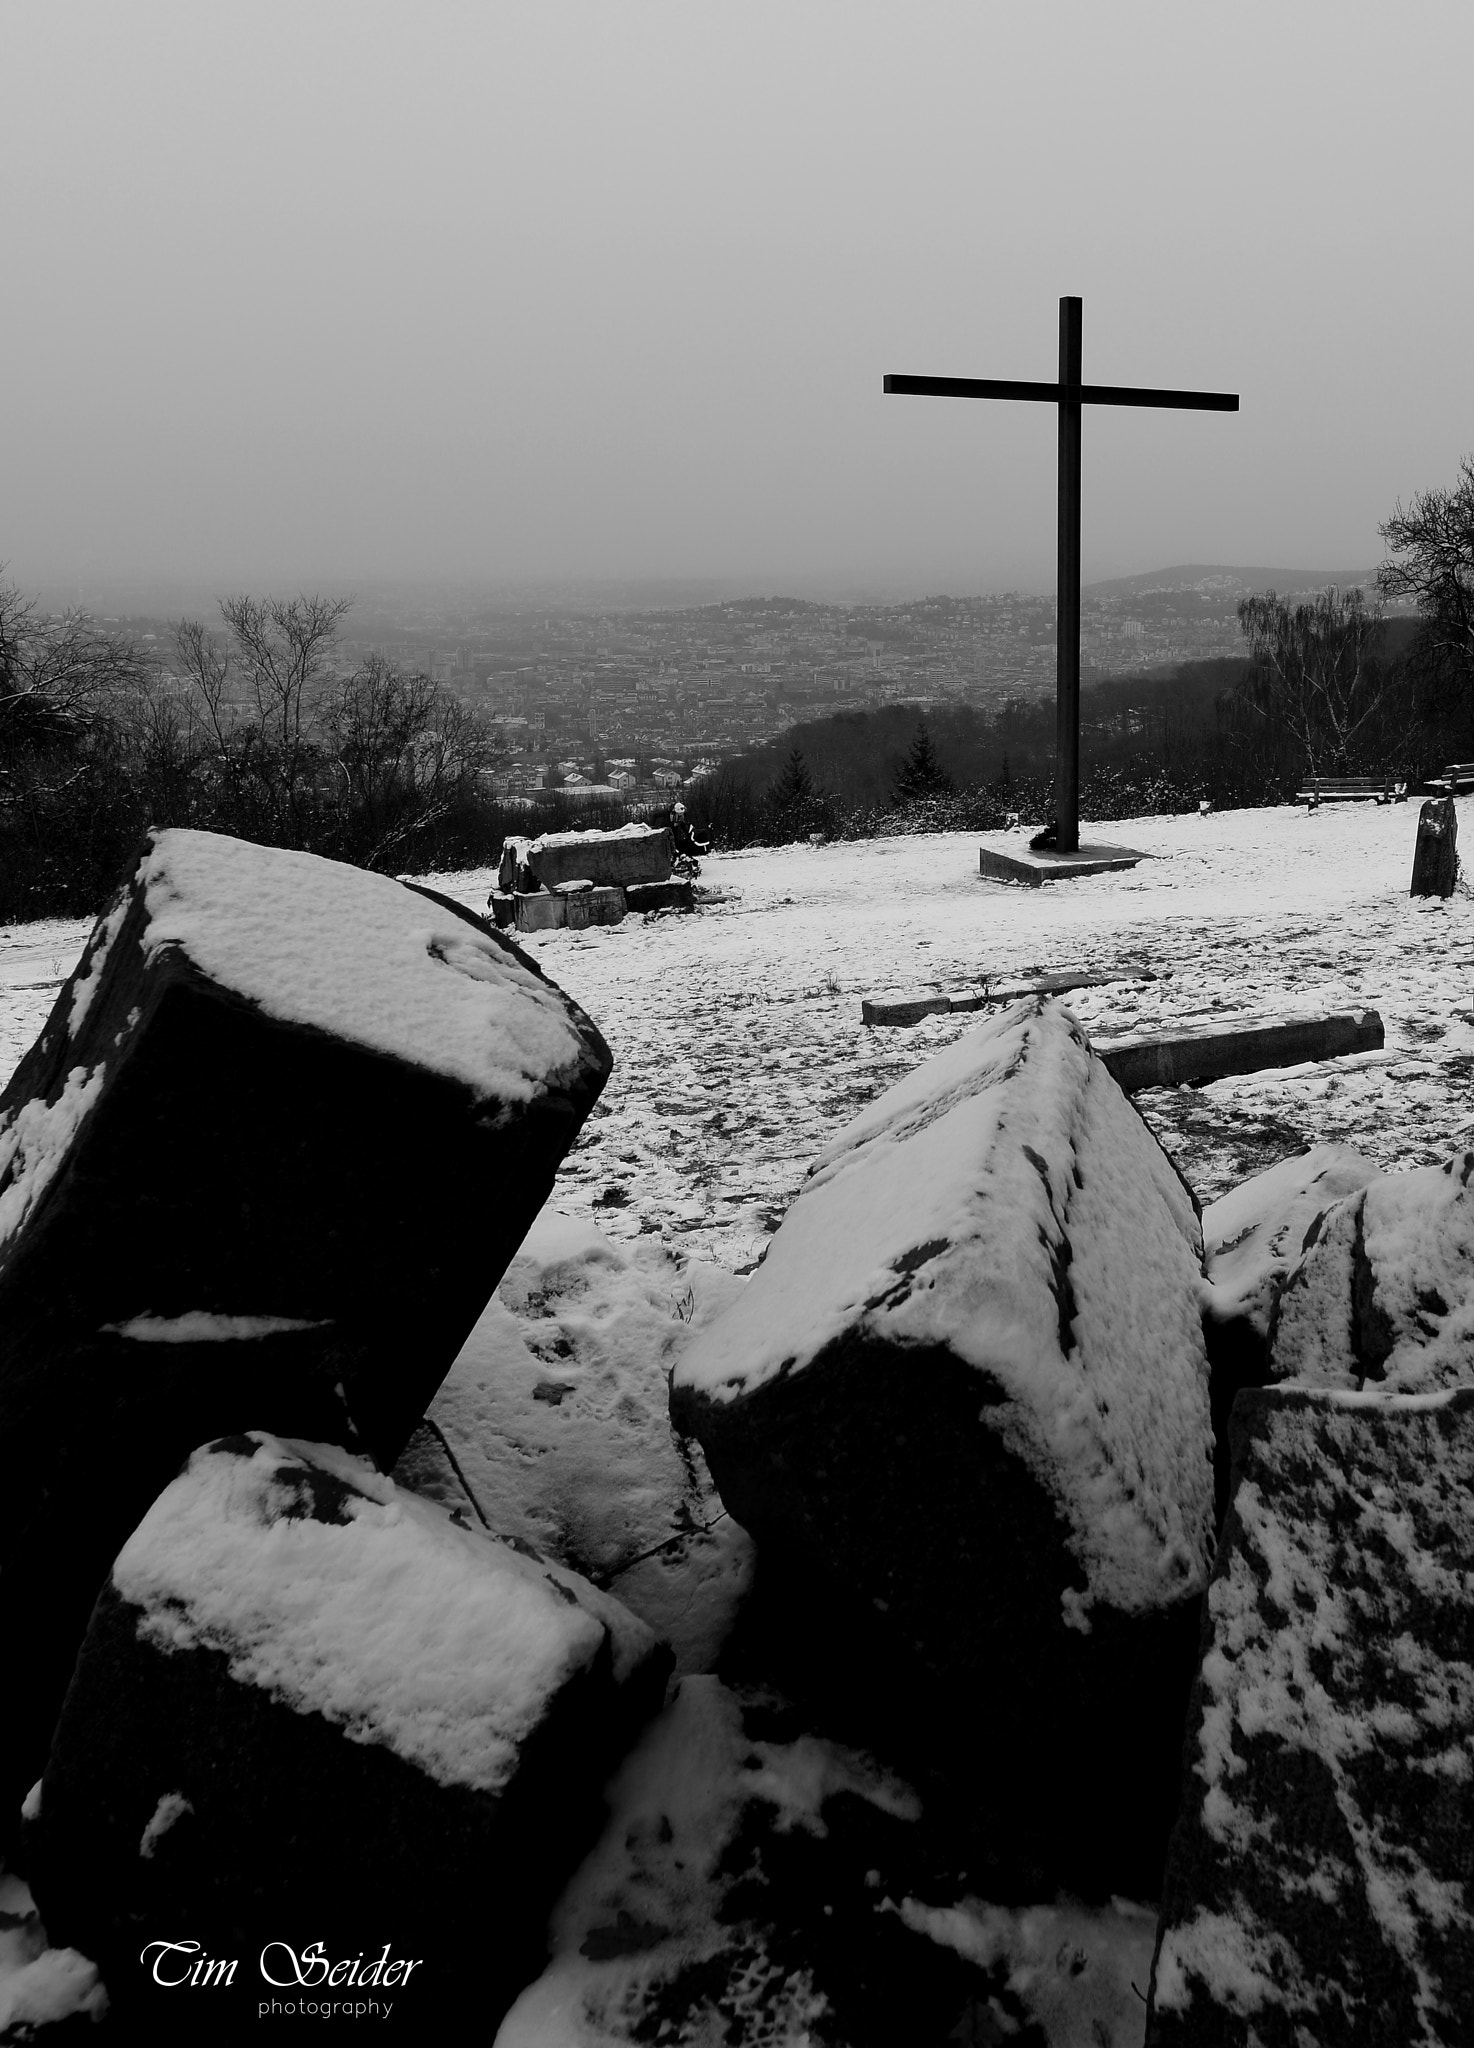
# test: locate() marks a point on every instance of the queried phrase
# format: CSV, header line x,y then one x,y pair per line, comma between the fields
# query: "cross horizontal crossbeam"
x,y
1061,394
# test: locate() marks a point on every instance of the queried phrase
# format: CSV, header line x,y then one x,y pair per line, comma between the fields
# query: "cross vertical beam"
x,y
1067,586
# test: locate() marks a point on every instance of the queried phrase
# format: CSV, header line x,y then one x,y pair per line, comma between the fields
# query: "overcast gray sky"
x,y
316,293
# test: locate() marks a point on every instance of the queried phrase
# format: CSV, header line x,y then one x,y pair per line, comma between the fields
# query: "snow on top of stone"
x,y
316,942
34,1136
582,838
1384,1298
442,1643
1006,1201
1256,1232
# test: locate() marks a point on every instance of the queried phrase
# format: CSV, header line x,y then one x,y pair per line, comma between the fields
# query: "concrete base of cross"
x,y
1020,862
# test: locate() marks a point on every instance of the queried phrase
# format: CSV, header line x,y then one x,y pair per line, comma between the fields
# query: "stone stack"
x,y
284,1128
569,880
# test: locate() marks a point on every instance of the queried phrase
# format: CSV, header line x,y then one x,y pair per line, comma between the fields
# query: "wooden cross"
x,y
1069,394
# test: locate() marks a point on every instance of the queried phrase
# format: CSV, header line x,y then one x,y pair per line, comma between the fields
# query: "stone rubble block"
x,y
965,1399
1252,1237
1320,1881
312,1706
1383,1295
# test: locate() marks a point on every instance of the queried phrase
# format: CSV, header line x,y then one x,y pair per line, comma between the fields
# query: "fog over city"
x,y
512,295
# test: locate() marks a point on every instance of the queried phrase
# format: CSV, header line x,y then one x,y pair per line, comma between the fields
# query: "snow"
x,y
34,1137
1256,1232
172,1806
556,1413
1241,1964
203,1326
1338,1637
444,1644
101,944
739,1049
1416,1233
652,1938
941,1216
315,942
548,839
1079,1971
675,1807
39,1985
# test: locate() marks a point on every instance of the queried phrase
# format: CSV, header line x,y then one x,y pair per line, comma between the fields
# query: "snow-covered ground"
x,y
739,1052
739,1049
737,1037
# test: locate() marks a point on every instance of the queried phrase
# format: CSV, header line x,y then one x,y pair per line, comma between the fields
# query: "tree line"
x,y
256,730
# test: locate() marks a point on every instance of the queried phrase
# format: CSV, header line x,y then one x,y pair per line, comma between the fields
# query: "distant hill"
x,y
1206,576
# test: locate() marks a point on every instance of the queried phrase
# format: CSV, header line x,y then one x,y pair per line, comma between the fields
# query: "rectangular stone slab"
x,y
1320,1881
911,1009
545,911
611,858
1206,1052
671,895
278,1140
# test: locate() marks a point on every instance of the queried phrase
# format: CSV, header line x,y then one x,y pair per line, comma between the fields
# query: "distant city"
x,y
638,700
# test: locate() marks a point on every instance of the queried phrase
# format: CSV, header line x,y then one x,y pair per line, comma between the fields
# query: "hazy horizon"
x,y
178,598
511,297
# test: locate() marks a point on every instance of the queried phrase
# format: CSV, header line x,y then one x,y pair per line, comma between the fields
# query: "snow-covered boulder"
x,y
1384,1292
1252,1236
966,1393
1320,1882
311,1707
282,1131
553,1426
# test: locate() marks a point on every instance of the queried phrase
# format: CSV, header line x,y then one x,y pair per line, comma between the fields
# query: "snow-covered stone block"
x,y
590,903
1384,1293
312,1706
672,895
634,853
282,1131
1320,1883
553,1427
1252,1236
967,1392
541,910
513,872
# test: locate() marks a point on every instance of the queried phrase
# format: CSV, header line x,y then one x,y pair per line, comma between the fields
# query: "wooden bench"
x,y
1456,778
1339,789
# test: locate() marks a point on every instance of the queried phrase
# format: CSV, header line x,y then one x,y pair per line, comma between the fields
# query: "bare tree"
x,y
62,679
404,752
1431,558
259,696
1313,670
